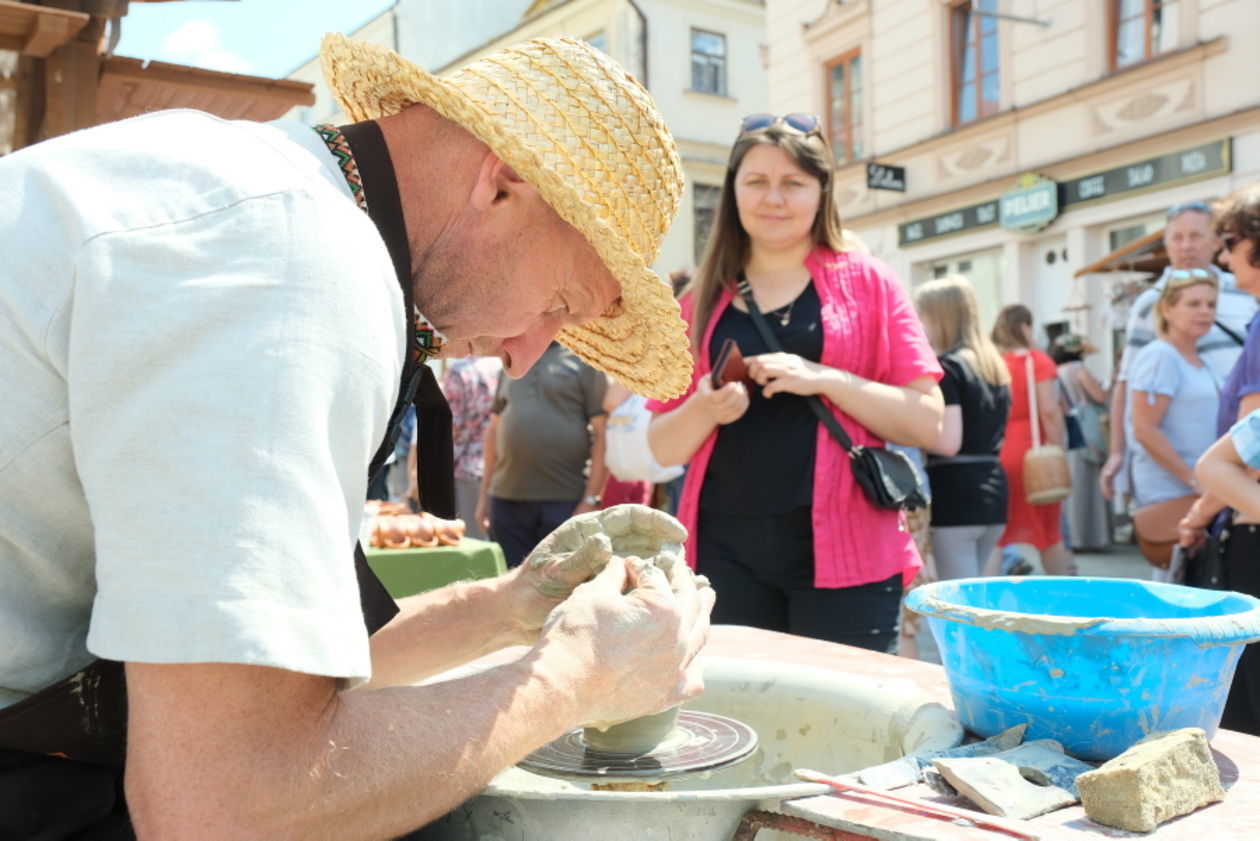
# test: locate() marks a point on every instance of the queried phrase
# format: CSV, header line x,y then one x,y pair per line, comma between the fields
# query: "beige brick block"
x,y
1163,776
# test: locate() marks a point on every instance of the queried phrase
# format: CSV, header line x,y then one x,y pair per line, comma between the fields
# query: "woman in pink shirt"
x,y
776,519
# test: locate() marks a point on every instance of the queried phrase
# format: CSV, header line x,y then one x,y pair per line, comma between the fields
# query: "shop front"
x,y
1030,241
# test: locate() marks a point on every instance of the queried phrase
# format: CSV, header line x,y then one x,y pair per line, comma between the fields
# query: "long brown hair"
x,y
951,317
1008,331
728,249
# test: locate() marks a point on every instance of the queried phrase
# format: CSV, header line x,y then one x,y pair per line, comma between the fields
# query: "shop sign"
x,y
1186,165
963,219
1031,206
1203,161
884,177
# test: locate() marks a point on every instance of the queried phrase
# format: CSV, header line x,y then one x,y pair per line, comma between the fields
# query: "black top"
x,y
763,463
971,491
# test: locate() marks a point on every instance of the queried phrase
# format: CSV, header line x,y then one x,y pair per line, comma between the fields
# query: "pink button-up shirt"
x,y
871,329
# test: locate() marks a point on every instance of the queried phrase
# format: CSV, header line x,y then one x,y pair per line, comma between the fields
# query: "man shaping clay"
x,y
206,328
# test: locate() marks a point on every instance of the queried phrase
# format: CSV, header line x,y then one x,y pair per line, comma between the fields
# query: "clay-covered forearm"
x,y
444,628
222,753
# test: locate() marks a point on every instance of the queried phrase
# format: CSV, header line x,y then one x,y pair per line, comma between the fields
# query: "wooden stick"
x,y
922,807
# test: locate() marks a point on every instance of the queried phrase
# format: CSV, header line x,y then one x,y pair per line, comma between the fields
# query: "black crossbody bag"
x,y
888,478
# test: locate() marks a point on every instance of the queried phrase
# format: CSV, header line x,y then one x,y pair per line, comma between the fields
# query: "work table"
x,y
1237,756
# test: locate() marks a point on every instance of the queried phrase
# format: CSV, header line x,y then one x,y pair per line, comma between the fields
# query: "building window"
x,y
844,107
598,41
1142,29
974,54
708,62
706,202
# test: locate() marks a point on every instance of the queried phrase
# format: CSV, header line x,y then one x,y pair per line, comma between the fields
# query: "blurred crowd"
x,y
1025,455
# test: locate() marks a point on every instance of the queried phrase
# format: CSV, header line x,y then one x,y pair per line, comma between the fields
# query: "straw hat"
x,y
588,137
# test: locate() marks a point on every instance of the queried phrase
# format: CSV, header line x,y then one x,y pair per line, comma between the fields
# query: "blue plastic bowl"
x,y
1096,663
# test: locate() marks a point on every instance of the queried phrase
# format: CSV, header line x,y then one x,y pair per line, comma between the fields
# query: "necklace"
x,y
784,314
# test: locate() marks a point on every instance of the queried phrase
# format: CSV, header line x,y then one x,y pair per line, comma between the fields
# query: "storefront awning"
x,y
129,86
1146,255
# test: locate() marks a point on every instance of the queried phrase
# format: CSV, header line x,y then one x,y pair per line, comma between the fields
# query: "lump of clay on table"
x,y
1161,777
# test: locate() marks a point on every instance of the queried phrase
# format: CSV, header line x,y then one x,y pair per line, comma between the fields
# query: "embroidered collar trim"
x,y
427,340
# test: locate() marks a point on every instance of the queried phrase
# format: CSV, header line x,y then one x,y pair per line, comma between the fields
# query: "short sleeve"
x,y
952,380
1043,367
1246,437
1247,369
594,387
1155,371
225,404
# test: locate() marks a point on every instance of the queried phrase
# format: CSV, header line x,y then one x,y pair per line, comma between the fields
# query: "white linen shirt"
x,y
201,337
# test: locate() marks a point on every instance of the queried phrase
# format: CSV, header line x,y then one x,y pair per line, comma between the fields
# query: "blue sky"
x,y
257,37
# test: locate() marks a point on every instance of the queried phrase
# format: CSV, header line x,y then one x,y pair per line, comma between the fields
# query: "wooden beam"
x,y
156,72
37,30
46,35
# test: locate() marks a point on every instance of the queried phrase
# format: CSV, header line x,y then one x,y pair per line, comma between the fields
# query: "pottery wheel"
x,y
700,742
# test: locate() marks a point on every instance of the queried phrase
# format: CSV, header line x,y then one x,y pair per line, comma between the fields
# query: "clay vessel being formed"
x,y
636,736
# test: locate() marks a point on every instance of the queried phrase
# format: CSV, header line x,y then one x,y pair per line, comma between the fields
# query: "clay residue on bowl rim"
x,y
1005,620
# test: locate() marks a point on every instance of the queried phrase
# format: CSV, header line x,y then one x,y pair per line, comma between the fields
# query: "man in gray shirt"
x,y
545,428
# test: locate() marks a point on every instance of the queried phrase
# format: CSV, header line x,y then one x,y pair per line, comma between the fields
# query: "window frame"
x,y
1148,31
958,50
845,58
723,81
700,242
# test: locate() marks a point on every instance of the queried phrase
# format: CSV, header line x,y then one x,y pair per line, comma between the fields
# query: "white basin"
x,y
805,717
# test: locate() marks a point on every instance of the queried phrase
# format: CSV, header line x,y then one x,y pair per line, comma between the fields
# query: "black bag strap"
x,y
1230,333
772,344
1067,395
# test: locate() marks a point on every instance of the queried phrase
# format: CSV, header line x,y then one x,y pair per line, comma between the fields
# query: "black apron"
x,y
62,750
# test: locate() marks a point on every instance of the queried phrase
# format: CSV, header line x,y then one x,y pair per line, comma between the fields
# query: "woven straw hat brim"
x,y
543,123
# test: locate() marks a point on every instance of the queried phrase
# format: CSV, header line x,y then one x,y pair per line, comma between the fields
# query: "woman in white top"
x,y
1173,394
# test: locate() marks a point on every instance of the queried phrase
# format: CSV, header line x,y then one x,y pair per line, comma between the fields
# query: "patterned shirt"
x,y
469,385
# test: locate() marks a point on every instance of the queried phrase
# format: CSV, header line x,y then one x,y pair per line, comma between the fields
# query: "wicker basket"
x,y
1046,476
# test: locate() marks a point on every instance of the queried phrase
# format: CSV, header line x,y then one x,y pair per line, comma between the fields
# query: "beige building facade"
x,y
1023,140
702,60
704,63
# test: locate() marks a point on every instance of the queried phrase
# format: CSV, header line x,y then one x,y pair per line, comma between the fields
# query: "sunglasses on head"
x,y
804,123
1188,206
1191,274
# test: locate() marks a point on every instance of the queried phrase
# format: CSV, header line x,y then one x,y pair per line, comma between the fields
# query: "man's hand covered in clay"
x,y
579,549
627,611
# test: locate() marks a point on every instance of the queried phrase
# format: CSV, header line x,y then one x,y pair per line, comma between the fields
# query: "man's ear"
x,y
497,183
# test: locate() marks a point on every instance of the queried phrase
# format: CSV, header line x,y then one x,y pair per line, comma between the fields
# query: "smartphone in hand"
x,y
729,366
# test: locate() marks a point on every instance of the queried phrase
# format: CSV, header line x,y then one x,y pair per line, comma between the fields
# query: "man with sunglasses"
x,y
1191,245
